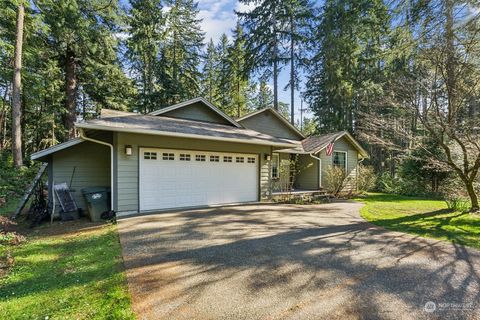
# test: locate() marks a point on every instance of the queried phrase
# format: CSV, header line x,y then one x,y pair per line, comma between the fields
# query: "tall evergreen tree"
x,y
17,87
265,26
239,76
224,77
299,14
146,28
210,73
82,33
346,67
264,96
180,54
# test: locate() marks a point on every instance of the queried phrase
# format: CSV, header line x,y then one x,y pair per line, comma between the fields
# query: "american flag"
x,y
329,149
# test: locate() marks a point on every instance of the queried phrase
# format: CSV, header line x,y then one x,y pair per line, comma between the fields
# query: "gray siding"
x,y
197,111
307,173
268,123
91,162
127,166
352,161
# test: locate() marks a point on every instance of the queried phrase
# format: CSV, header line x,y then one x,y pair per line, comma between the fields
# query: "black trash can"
x,y
98,201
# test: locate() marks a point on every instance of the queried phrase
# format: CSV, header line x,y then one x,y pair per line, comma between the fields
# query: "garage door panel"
x,y
177,182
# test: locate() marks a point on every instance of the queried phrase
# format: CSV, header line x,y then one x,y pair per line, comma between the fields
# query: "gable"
x,y
197,109
198,112
268,123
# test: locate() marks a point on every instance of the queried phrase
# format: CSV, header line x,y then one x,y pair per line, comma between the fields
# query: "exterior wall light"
x,y
267,157
128,150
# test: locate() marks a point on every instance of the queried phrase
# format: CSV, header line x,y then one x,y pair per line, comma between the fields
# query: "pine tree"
x,y
265,29
180,54
345,69
238,72
264,96
224,76
210,73
82,33
299,14
146,27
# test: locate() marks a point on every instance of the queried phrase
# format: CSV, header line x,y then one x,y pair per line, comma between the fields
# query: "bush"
x,y
397,185
335,180
366,178
13,182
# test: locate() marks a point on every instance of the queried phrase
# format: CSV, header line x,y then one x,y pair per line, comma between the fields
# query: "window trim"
x,y
346,158
276,155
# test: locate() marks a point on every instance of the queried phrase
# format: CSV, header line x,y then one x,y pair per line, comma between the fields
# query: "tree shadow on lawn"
x,y
439,224
311,266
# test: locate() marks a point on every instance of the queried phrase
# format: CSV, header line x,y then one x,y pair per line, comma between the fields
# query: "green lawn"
x,y
61,274
424,217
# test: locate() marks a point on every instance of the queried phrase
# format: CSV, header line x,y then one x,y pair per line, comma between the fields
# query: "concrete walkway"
x,y
292,262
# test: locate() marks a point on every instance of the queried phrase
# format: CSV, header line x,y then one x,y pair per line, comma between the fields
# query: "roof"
x,y
315,144
174,127
275,113
55,148
192,101
106,113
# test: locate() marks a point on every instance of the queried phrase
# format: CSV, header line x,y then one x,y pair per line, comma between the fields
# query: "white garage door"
x,y
183,178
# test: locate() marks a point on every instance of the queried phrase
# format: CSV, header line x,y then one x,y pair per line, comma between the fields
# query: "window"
x,y
150,155
214,158
184,157
275,165
340,159
251,160
168,156
200,157
239,159
227,159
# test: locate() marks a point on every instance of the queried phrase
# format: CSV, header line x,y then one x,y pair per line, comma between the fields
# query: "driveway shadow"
x,y
287,261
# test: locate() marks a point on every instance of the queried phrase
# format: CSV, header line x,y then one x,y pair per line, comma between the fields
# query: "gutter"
x,y
84,137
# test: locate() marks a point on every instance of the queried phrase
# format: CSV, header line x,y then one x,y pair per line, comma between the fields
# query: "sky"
x,y
218,17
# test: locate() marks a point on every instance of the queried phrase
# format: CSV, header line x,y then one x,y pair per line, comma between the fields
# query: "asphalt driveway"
x,y
292,262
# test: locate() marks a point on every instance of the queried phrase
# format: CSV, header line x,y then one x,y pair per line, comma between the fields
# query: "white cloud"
x,y
218,18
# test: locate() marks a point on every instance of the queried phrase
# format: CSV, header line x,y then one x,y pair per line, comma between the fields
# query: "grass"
x,y
76,274
424,217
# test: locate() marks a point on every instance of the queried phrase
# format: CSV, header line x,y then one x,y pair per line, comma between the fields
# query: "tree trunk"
x,y
275,63
71,90
17,85
292,70
450,52
473,196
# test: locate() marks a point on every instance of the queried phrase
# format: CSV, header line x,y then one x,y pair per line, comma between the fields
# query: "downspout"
x,y
84,137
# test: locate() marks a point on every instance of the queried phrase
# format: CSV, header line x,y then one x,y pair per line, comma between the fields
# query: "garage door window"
x,y
168,156
200,157
184,157
239,159
227,159
251,160
150,155
214,158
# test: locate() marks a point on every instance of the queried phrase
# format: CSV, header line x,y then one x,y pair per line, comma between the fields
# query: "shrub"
x,y
366,178
335,180
13,181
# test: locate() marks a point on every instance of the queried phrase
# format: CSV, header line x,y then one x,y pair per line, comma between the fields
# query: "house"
x,y
192,154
